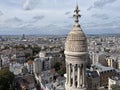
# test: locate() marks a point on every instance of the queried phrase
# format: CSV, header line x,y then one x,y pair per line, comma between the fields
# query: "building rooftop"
x,y
92,74
101,68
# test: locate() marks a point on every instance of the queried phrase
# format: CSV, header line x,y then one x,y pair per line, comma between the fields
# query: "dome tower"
x,y
76,55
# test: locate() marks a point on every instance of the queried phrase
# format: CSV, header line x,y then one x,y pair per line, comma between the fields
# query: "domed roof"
x,y
76,39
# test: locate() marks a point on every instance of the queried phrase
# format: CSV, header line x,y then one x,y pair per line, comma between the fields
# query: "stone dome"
x,y
76,40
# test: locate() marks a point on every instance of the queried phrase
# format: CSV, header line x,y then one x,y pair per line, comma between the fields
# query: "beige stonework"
x,y
76,53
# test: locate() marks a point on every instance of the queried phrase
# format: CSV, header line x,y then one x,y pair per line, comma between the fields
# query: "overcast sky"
x,y
55,16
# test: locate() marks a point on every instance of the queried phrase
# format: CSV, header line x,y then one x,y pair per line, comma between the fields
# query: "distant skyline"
x,y
55,16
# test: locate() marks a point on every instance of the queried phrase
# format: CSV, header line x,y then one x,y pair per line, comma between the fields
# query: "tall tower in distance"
x,y
76,55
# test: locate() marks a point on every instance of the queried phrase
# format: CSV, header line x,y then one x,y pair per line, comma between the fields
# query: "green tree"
x,y
57,66
62,71
6,79
36,50
115,87
107,50
60,68
29,58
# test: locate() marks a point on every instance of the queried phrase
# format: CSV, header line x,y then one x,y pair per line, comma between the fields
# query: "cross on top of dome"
x,y
76,16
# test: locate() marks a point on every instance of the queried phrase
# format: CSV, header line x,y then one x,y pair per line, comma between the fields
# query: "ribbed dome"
x,y
76,39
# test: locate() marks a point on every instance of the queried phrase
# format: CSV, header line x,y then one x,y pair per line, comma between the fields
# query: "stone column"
x,y
69,75
67,71
83,74
78,78
73,75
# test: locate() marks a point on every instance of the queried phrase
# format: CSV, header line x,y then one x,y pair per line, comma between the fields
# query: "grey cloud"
x,y
29,23
102,26
67,13
26,5
89,8
26,25
71,17
55,29
13,20
101,3
51,26
1,13
39,17
30,4
100,16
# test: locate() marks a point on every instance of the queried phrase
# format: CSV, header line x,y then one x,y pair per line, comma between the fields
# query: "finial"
x,y
76,15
